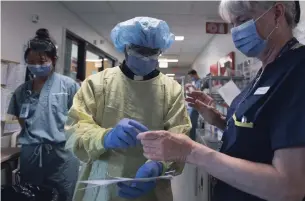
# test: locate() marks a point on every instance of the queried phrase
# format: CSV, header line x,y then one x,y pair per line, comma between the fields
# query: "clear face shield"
x,y
143,52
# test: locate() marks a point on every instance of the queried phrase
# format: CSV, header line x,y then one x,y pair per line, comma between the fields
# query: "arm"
x,y
177,121
14,109
280,181
220,122
72,91
84,135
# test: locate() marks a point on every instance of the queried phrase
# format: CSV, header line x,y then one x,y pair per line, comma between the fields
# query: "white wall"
x,y
221,45
299,32
17,28
218,47
180,71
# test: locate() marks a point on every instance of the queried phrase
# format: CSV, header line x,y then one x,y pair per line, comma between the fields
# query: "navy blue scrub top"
x,y
275,117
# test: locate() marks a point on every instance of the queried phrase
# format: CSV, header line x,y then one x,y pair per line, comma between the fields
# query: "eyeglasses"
x,y
143,52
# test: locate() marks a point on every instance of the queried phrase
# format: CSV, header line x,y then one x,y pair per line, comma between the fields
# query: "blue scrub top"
x,y
275,117
198,84
47,111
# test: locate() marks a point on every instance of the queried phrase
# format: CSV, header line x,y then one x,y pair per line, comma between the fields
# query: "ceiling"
x,y
185,18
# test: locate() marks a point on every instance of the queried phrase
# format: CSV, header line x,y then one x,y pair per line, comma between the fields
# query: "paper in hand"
x,y
228,92
121,179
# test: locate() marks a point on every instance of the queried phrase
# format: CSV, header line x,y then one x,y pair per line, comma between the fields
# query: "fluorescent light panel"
x,y
179,38
170,75
168,60
96,60
163,65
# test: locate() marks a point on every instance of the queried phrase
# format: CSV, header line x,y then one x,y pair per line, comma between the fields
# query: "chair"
x,y
14,139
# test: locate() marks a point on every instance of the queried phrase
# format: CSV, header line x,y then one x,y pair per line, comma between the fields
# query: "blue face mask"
x,y
140,66
247,39
40,70
193,79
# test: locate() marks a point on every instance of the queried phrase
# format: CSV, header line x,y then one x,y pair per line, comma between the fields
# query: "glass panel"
x,y
93,63
74,59
108,63
71,56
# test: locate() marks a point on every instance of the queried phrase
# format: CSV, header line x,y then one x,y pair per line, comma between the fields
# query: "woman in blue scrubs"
x,y
41,106
263,151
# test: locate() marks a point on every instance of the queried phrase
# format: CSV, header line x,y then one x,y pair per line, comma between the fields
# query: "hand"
x,y
138,189
165,146
124,134
204,104
190,88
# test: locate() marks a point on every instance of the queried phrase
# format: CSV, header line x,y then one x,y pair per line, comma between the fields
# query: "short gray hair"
x,y
233,8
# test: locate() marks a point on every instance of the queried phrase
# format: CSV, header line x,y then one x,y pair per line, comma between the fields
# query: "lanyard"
x,y
288,46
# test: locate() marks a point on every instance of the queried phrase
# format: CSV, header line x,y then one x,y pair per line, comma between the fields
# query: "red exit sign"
x,y
216,28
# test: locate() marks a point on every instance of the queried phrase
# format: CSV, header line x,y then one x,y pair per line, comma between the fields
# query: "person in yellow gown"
x,y
114,105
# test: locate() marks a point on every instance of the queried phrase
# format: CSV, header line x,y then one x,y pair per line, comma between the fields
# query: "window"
x,y
83,59
71,57
93,63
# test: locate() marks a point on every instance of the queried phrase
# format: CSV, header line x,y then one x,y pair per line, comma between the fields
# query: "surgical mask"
x,y
247,39
193,79
40,70
141,66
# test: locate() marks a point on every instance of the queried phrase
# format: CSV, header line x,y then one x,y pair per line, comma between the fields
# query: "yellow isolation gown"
x,y
102,101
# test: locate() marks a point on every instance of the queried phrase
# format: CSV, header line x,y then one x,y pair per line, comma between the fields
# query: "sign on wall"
x,y
216,28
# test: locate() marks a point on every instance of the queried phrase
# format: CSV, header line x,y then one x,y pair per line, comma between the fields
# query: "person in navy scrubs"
x,y
263,152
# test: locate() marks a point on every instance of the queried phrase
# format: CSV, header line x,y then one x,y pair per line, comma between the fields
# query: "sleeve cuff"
x,y
164,166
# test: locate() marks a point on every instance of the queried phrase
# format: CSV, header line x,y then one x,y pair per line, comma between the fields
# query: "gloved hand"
x,y
124,134
138,189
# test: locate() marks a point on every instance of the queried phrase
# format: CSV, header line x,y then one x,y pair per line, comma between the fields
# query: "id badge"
x,y
24,112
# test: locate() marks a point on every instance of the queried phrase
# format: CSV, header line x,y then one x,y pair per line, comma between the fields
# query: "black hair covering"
x,y
42,43
298,12
192,72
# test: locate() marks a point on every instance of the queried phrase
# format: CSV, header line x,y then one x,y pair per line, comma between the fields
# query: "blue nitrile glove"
x,y
138,189
124,134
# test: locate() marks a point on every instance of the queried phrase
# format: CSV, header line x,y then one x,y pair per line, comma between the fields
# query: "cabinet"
x,y
202,185
183,186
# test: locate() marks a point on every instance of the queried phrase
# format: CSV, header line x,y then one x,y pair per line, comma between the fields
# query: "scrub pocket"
x,y
59,102
240,137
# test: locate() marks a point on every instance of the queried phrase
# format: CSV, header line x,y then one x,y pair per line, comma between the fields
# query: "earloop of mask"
x,y
277,26
264,13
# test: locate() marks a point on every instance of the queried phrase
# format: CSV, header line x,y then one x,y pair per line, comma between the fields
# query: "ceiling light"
x,y
163,65
168,60
179,38
94,60
170,75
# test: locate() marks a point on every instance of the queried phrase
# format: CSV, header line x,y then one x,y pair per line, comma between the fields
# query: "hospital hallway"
x,y
84,82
